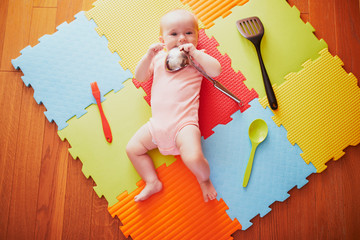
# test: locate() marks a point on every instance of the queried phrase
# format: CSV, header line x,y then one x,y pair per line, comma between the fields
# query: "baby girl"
x,y
173,127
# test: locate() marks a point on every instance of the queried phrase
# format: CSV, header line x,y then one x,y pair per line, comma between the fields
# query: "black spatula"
x,y
253,30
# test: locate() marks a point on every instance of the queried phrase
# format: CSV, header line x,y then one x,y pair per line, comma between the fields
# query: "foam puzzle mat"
x,y
287,42
116,19
61,68
208,11
107,163
177,212
99,46
277,166
320,109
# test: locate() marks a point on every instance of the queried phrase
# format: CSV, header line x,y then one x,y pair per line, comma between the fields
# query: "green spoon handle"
x,y
249,165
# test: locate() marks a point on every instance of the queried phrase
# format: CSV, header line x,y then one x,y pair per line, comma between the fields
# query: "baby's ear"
x,y
161,39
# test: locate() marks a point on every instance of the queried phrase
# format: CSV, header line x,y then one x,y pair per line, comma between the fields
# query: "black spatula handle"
x,y
268,88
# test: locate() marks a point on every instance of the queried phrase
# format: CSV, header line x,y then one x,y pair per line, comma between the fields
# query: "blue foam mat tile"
x,y
61,67
277,168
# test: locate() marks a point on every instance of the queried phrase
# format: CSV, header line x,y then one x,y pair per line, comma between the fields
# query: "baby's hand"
x,y
155,48
188,47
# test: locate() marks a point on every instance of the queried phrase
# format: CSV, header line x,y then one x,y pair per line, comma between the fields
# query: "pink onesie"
x,y
174,103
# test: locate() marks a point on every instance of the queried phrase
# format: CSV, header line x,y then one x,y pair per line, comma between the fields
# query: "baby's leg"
x,y
188,142
136,150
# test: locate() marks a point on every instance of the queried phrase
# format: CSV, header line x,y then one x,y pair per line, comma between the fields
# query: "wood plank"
x,y
10,108
350,165
87,5
103,226
274,223
78,203
304,17
253,232
52,187
328,195
42,22
28,168
27,162
301,207
3,15
17,31
322,19
45,3
347,15
302,5
66,10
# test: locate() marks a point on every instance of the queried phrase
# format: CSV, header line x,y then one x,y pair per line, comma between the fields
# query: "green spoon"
x,y
258,131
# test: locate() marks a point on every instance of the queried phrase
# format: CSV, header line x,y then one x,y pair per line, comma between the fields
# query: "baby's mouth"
x,y
178,45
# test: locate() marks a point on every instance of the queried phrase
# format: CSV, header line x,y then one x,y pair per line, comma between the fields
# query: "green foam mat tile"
x,y
107,163
287,43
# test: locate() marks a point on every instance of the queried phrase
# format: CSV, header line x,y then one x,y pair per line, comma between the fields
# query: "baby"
x,y
173,127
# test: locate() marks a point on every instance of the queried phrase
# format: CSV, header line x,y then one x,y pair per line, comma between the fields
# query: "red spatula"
x,y
105,124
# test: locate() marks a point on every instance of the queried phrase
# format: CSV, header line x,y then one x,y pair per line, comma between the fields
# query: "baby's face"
x,y
177,29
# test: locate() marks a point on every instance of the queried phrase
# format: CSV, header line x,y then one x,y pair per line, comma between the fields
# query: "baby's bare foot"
x,y
208,190
150,189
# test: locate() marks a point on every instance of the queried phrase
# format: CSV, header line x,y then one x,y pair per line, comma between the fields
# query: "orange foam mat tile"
x,y
319,106
176,212
209,10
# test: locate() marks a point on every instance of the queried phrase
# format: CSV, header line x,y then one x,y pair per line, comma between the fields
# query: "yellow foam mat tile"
x,y
177,212
107,163
287,42
209,10
131,26
319,107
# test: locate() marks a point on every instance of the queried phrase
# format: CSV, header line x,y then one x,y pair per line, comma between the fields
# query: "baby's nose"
x,y
182,38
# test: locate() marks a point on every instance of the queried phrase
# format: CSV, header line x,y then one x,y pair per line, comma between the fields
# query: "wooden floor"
x,y
44,194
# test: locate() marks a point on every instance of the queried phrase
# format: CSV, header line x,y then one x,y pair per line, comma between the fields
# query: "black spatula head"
x,y
251,28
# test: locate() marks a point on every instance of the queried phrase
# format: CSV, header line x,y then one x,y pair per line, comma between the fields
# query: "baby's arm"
x,y
142,71
210,65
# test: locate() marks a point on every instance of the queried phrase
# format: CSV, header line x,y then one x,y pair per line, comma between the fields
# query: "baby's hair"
x,y
184,11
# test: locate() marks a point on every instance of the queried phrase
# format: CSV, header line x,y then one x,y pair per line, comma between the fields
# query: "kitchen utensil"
x,y
177,60
258,131
105,124
253,30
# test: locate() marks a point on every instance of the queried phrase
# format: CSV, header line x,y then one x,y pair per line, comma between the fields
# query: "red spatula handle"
x,y
105,123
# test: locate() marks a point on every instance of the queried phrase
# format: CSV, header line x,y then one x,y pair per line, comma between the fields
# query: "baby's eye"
x,y
189,33
173,34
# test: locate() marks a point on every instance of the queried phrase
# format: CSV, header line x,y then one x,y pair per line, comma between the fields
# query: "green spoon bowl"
x,y
258,131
